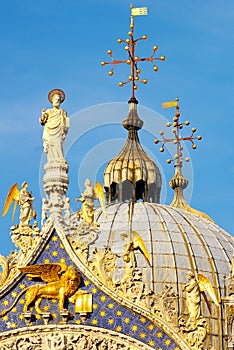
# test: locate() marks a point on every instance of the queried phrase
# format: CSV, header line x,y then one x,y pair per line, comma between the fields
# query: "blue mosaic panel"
x,y
106,312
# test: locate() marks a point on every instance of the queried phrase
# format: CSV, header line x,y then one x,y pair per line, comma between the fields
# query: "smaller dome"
x,y
132,174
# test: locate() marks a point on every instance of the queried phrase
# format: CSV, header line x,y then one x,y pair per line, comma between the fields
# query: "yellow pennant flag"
x,y
140,11
169,104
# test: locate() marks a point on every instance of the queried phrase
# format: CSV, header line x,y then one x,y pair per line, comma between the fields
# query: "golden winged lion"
x,y
62,283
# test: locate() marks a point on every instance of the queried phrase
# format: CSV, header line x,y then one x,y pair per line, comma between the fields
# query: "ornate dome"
x,y
177,241
161,257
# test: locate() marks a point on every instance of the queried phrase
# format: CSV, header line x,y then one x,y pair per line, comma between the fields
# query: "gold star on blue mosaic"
x,y
126,320
151,343
107,313
167,342
119,313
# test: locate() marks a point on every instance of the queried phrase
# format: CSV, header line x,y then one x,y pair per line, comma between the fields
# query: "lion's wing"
x,y
47,272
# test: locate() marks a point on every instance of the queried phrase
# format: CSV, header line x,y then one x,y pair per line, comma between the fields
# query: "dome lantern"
x,y
132,174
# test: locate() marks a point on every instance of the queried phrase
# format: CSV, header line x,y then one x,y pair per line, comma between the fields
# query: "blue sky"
x,y
49,44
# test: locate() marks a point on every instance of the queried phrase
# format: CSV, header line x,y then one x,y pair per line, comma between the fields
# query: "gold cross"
x,y
133,60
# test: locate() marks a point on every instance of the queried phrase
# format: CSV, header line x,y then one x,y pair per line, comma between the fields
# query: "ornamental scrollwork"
x,y
195,334
165,304
103,265
131,285
60,341
25,238
9,266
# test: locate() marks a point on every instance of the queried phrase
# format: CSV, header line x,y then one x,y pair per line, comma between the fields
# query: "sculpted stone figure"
x,y
25,203
24,199
56,125
193,297
87,200
88,197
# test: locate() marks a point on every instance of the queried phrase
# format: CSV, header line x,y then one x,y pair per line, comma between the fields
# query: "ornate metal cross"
x,y
132,59
177,139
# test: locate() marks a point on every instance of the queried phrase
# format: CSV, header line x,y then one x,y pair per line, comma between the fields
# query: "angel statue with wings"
x,y
88,196
24,199
197,286
134,242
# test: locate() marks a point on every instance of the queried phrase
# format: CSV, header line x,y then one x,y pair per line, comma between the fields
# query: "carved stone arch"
x,y
72,337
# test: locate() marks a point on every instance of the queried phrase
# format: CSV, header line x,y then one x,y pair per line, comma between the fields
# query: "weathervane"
x,y
177,139
132,59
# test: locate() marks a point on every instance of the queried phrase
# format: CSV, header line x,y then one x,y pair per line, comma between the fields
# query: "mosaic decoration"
x,y
106,312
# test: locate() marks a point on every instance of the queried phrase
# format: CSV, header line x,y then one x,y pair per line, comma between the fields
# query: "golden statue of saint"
x,y
56,125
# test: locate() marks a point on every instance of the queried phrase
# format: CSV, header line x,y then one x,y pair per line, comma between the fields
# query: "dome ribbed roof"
x,y
177,241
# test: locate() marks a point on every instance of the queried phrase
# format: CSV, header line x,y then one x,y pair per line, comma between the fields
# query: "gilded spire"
x,y
178,183
132,175
133,60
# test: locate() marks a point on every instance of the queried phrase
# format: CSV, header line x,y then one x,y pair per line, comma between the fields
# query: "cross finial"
x,y
133,60
177,139
178,183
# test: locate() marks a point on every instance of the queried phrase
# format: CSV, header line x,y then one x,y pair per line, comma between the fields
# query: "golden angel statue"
x,y
88,196
56,125
193,289
24,199
193,297
62,283
135,242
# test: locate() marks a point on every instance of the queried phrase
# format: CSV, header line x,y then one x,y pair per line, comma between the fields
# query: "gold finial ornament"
x,y
133,59
178,183
177,139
